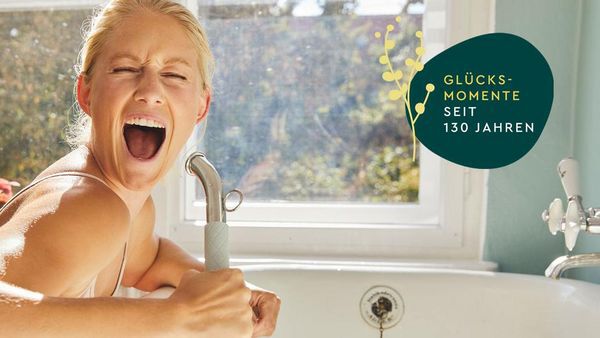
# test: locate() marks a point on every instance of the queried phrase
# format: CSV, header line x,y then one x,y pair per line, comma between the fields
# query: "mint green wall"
x,y
587,127
516,238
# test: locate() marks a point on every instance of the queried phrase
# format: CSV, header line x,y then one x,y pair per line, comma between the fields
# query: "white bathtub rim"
x,y
476,265
360,268
410,270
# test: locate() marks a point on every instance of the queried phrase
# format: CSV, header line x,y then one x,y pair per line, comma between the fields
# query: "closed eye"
x,y
175,75
125,70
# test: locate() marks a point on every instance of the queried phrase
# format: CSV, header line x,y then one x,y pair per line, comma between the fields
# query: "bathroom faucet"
x,y
576,218
216,233
564,263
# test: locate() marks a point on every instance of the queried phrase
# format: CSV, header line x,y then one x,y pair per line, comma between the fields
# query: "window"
x,y
301,124
299,121
39,43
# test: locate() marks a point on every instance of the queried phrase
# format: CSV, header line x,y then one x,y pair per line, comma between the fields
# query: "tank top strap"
x,y
121,271
65,173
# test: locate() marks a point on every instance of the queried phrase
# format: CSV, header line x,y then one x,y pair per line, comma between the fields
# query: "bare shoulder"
x,y
71,228
74,201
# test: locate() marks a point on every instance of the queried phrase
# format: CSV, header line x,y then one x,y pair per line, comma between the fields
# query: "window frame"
x,y
31,5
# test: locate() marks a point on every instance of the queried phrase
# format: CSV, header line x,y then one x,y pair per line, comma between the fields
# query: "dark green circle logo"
x,y
482,103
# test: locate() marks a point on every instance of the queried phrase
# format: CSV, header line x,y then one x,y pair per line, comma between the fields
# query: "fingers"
x,y
215,302
266,306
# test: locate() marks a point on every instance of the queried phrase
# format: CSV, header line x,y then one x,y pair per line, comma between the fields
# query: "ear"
x,y
83,94
204,110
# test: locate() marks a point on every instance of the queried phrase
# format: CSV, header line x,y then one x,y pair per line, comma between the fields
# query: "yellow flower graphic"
x,y
403,87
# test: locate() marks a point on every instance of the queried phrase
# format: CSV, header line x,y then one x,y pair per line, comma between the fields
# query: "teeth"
x,y
145,122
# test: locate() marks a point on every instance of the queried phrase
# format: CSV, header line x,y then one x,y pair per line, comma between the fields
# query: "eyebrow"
x,y
137,59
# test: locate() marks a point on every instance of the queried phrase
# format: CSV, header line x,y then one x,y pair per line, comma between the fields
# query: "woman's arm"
x,y
206,305
170,263
161,262
153,261
25,313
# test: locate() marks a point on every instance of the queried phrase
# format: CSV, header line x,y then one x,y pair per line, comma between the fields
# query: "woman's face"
x,y
144,97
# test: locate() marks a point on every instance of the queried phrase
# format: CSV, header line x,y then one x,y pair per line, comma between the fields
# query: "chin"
x,y
140,176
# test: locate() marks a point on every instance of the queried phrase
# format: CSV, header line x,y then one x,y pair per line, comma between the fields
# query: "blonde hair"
x,y
105,21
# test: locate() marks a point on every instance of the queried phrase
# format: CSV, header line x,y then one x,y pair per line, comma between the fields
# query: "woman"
x,y
86,224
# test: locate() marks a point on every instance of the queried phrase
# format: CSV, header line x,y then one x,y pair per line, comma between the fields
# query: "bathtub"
x,y
336,301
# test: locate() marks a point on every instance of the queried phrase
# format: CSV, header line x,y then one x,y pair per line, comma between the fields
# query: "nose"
x,y
149,89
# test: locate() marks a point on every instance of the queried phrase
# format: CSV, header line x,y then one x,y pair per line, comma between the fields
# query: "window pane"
x,y
38,50
300,111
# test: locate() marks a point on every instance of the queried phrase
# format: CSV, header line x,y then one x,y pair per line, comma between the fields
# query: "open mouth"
x,y
143,137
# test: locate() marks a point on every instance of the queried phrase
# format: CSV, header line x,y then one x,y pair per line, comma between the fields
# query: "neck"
x,y
134,199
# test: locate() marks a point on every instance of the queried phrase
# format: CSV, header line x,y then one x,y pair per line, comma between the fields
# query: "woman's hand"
x,y
213,304
265,305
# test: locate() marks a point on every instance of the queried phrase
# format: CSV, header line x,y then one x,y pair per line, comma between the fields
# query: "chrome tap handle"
x,y
553,216
572,221
568,170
